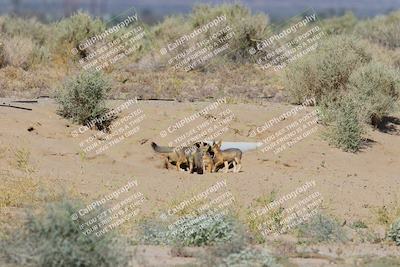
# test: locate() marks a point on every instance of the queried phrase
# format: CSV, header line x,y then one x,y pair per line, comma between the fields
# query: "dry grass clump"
x,y
17,82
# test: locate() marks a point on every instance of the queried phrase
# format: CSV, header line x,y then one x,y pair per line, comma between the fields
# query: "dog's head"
x,y
216,146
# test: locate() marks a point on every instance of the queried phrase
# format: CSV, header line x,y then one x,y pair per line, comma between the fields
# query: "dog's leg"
x,y
216,165
234,166
239,164
178,166
226,168
190,166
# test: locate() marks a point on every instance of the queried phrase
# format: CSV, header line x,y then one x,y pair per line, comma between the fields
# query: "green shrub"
x,y
340,25
82,99
325,73
54,239
375,88
394,232
345,129
384,30
322,228
199,231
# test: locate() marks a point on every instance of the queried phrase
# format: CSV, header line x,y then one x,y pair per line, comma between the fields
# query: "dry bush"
x,y
72,31
248,28
17,82
325,73
30,28
384,30
375,88
340,25
19,52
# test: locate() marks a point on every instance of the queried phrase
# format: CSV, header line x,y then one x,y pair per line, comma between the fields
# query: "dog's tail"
x,y
161,149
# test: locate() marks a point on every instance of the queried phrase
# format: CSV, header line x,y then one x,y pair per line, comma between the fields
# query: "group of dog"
x,y
201,157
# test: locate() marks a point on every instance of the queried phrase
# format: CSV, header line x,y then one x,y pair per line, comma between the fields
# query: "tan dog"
x,y
189,156
208,162
224,157
177,156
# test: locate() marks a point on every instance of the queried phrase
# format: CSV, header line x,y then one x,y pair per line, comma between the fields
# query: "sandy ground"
x,y
352,185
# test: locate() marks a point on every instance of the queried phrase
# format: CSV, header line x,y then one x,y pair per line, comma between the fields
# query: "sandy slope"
x,y
351,184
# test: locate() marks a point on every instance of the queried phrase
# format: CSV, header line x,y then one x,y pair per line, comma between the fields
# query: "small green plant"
x,y
270,221
322,228
394,232
22,159
375,88
359,224
346,130
82,99
54,239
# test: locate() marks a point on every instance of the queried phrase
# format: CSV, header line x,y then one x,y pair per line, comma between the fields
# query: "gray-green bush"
x,y
344,125
53,239
325,73
82,99
394,232
322,228
199,231
375,88
249,257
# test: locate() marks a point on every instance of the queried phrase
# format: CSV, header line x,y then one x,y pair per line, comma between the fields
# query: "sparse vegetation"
x,y
22,160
